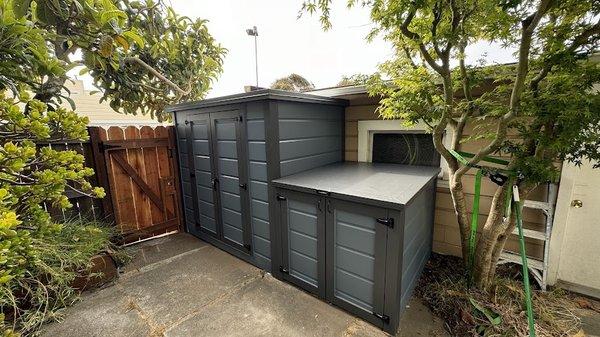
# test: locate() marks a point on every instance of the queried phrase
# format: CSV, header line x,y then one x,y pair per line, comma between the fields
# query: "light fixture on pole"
x,y
254,32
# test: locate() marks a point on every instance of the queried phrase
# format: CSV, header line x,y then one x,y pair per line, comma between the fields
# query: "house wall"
x,y
446,234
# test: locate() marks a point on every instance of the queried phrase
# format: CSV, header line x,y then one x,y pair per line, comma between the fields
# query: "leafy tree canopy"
x,y
292,82
356,79
141,54
538,111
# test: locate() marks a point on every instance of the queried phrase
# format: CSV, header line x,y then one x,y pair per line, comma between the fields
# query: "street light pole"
x,y
254,32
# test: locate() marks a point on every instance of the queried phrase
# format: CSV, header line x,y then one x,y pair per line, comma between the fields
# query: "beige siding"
x,y
89,105
446,234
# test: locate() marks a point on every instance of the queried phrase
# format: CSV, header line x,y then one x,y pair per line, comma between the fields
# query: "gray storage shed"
x,y
263,178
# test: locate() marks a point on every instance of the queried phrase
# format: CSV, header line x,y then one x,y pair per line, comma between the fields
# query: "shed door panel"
x,y
356,258
303,234
202,173
231,178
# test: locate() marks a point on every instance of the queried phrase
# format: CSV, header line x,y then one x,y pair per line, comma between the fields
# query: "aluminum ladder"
x,y
538,268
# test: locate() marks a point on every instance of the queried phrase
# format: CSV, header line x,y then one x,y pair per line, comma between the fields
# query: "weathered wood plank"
x,y
152,176
135,159
122,188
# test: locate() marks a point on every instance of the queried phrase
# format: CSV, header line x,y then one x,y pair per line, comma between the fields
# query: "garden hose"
x,y
500,177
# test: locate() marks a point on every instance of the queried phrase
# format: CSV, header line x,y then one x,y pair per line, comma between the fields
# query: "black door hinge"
x,y
240,118
281,197
244,186
384,318
386,221
248,246
284,270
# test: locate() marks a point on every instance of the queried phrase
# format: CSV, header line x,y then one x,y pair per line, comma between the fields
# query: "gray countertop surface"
x,y
386,184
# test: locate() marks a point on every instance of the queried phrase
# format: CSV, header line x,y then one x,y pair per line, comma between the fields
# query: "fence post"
x,y
173,155
101,172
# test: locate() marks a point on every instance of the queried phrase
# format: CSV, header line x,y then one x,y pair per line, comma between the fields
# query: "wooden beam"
x,y
120,144
101,171
120,159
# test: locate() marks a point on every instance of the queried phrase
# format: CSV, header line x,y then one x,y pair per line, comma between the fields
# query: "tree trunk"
x,y
460,208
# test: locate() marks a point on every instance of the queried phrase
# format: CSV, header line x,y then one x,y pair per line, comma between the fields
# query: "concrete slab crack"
x,y
160,263
229,292
156,330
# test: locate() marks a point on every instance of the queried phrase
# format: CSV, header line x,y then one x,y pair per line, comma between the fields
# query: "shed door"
x,y
230,179
200,154
303,240
356,253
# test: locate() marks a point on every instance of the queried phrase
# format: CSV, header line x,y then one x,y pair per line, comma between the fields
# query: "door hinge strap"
x,y
284,270
384,318
386,221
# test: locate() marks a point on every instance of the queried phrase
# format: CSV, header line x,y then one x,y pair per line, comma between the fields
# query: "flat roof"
x,y
339,91
383,185
256,95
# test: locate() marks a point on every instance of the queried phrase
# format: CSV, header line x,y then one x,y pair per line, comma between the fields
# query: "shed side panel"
x,y
259,207
186,186
310,135
418,238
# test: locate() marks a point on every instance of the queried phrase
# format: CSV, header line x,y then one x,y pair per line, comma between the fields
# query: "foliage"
x,y
141,54
292,82
57,255
356,79
474,313
537,112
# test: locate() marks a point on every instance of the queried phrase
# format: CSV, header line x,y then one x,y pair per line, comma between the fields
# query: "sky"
x,y
288,44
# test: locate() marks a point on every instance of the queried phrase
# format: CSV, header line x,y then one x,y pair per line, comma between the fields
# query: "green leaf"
x,y
137,39
112,14
20,7
494,318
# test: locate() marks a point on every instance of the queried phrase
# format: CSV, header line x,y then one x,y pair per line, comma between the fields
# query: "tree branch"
x,y
417,38
160,76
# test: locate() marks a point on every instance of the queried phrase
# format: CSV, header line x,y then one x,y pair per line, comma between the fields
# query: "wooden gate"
x,y
140,169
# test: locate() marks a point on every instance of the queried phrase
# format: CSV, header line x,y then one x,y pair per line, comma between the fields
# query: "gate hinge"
x,y
240,118
280,197
384,318
284,270
386,221
248,246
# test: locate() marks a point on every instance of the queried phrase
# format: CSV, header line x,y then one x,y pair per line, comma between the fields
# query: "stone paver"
x,y
180,286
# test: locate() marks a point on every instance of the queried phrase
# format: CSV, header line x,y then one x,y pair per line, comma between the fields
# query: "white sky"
x,y
287,44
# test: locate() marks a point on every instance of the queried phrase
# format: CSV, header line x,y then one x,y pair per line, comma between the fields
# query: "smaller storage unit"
x,y
358,235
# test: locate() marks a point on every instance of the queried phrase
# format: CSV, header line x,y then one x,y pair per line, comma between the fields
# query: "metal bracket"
x,y
384,318
322,192
248,246
281,197
244,186
284,270
386,221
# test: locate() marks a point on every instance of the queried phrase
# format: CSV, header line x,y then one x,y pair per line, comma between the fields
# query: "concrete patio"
x,y
181,286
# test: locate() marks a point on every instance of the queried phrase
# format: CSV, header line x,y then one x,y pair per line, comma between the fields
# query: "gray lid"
x,y
263,94
385,185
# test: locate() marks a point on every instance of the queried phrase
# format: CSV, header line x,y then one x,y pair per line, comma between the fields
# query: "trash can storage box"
x,y
358,234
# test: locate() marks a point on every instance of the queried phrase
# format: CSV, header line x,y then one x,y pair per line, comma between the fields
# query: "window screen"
x,y
405,148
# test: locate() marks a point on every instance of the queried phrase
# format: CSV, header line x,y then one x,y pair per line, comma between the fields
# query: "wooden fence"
x,y
137,167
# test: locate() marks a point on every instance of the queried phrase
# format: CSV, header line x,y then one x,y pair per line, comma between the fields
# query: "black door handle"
x,y
244,186
214,183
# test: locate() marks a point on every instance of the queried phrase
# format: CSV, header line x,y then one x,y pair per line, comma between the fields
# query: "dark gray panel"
x,y
353,289
230,184
293,129
231,201
256,151
260,209
200,131
258,171
228,166
201,147
232,218
202,163
309,111
208,223
203,178
261,229
233,233
205,194
360,264
227,149
299,148
256,130
302,240
358,238
259,190
262,246
225,130
206,208
303,244
306,163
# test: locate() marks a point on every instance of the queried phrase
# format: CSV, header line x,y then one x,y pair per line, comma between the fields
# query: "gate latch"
x,y
280,197
386,221
284,270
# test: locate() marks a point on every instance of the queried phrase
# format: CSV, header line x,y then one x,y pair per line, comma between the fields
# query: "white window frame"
x,y
367,128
